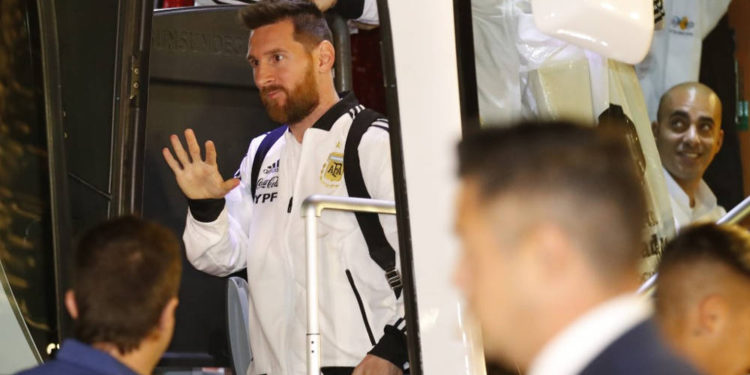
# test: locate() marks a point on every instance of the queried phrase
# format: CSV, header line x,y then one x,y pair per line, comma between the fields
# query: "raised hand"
x,y
324,5
198,178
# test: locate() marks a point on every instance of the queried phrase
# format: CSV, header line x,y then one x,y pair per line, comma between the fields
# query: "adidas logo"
x,y
273,168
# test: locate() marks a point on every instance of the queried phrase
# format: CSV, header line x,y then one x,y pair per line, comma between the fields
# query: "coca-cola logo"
x,y
267,183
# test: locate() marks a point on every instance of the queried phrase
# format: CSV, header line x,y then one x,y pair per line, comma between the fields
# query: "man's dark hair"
x,y
689,262
582,178
125,272
310,27
708,243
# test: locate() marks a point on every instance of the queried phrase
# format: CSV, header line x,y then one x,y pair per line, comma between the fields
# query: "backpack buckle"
x,y
394,279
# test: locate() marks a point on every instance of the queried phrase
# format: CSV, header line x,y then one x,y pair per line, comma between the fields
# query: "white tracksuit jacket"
x,y
268,237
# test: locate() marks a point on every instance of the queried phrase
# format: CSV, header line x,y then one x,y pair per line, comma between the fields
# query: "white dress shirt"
x,y
579,343
705,209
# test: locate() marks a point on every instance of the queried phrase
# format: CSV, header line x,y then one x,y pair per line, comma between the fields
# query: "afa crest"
x,y
333,170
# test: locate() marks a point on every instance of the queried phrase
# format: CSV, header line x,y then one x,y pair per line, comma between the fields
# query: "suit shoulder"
x,y
640,350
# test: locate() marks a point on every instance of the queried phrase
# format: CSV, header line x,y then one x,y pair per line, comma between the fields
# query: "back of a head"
x,y
310,27
125,272
694,263
703,297
581,178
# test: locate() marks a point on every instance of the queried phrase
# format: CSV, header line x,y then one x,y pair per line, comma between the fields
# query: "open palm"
x,y
198,178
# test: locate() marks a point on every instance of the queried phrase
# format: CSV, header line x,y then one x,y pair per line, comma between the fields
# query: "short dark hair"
x,y
708,243
683,265
589,169
310,27
125,272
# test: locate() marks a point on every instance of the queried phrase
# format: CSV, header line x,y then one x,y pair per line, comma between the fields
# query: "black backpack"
x,y
380,250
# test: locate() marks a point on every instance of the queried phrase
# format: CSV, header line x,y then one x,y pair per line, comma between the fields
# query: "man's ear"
x,y
655,128
70,304
712,314
166,320
326,56
720,140
553,252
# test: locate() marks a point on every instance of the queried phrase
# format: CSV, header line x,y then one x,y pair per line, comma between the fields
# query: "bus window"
x,y
26,251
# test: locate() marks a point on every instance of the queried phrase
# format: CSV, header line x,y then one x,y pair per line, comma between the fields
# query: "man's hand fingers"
x,y
230,184
179,151
192,144
210,153
324,5
373,365
173,164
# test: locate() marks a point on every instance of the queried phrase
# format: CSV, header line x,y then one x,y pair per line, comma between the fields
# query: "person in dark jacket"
x,y
551,217
125,280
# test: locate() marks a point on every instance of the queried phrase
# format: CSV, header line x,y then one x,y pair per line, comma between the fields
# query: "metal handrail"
x,y
343,46
648,285
734,216
312,208
737,214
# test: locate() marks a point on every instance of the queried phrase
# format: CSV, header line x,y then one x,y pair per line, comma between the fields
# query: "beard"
x,y
300,102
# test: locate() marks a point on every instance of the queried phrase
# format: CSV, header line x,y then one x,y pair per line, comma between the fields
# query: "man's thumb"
x,y
230,184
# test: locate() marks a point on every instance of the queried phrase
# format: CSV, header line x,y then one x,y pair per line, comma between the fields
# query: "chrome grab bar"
x,y
312,209
737,214
648,285
734,216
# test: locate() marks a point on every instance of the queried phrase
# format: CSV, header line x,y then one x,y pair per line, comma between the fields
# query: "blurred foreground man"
x,y
125,280
551,216
703,297
688,135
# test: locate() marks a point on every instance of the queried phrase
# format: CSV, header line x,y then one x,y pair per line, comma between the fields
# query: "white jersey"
x,y
266,235
675,54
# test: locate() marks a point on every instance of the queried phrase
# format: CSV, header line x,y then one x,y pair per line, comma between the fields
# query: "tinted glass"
x,y
25,222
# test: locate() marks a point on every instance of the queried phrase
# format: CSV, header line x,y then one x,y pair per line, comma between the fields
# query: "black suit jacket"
x,y
640,351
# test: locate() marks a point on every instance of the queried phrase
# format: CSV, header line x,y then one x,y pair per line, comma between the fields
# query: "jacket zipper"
x,y
361,307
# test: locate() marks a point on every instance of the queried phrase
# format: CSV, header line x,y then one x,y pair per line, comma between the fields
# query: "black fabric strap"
x,y
380,250
349,9
337,370
260,155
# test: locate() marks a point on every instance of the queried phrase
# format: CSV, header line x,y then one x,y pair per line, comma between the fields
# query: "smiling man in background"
x,y
688,135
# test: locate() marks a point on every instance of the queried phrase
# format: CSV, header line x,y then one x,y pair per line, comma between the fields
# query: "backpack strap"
x,y
260,154
369,223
